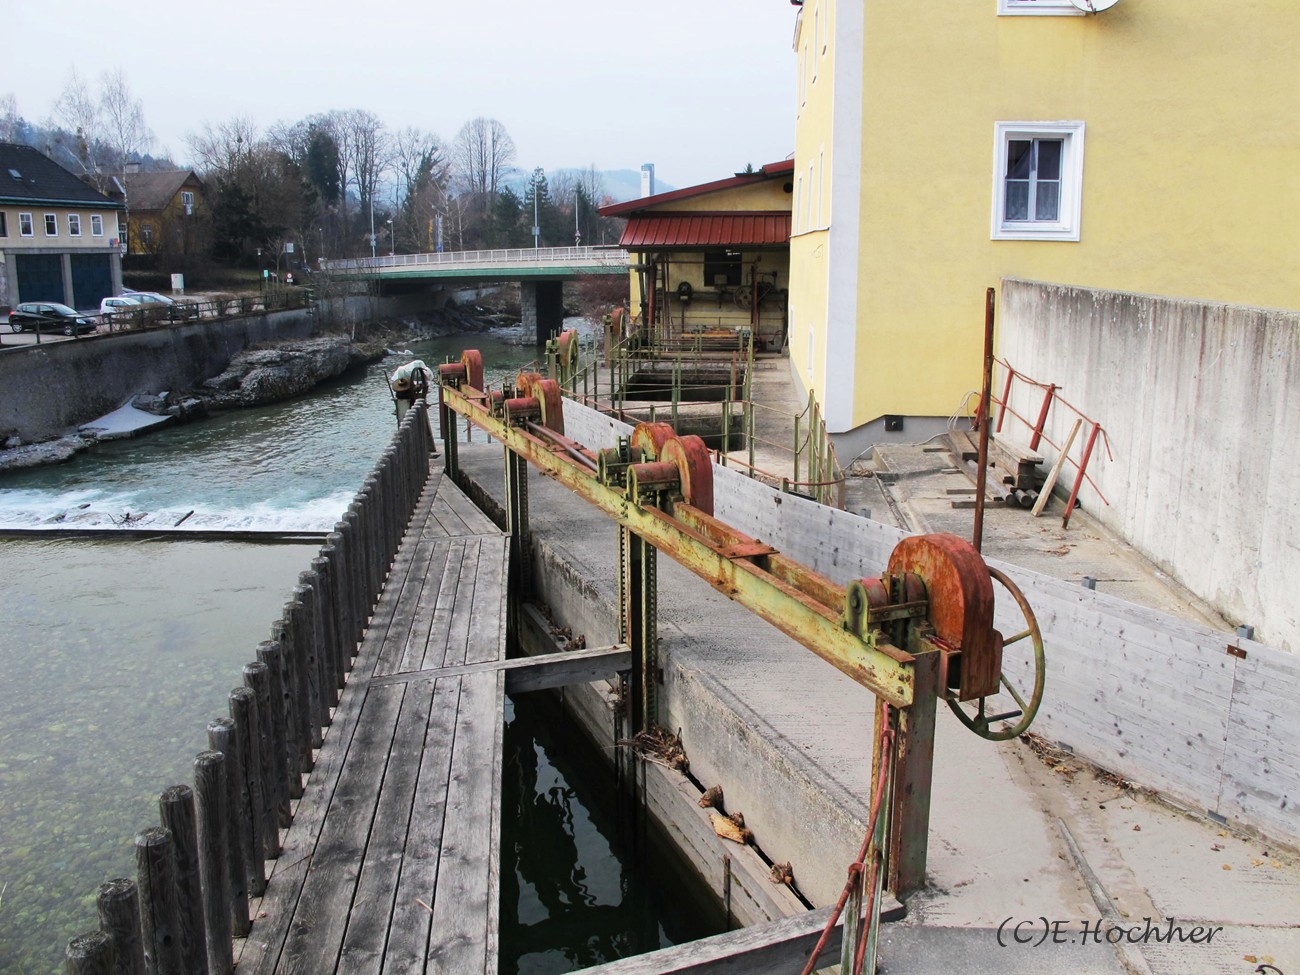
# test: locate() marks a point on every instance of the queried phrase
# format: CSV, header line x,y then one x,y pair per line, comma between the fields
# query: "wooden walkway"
x,y
391,864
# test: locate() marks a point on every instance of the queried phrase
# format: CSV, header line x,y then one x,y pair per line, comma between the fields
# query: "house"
x,y
1147,147
167,212
58,236
713,256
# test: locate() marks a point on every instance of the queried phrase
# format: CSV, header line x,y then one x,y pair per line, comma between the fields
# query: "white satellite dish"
x,y
1094,6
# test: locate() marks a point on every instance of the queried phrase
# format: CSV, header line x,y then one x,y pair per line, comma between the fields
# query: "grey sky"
x,y
698,88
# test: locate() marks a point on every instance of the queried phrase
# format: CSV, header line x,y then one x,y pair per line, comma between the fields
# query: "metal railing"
x,y
598,256
217,306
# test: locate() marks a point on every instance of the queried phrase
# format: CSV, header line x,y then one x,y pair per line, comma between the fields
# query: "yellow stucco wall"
x,y
64,241
1191,171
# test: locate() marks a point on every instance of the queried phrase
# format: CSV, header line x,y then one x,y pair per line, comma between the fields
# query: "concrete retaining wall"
x,y
1151,697
52,387
1201,406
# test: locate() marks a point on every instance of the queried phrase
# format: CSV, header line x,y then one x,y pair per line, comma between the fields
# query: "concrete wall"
x,y
1200,403
52,387
1151,697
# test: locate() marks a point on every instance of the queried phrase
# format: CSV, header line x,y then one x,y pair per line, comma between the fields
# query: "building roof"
x,y
154,191
758,228
778,170
29,176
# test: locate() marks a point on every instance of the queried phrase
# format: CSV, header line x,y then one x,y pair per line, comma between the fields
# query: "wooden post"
x,y
118,905
282,636
243,709
271,656
154,874
212,829
239,839
286,631
176,811
257,681
1045,492
332,665
90,953
305,634
335,550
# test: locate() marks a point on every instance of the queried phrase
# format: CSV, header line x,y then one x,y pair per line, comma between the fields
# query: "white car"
x,y
123,308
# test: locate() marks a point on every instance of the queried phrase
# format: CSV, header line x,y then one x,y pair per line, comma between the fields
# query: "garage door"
x,y
40,277
92,279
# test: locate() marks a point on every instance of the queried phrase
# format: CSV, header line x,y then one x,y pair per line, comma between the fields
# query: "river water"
x,y
117,653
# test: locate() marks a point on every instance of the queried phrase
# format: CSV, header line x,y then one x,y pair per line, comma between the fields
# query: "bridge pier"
x,y
542,304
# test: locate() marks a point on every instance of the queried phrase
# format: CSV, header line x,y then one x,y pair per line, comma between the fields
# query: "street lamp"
x,y
392,244
372,227
538,176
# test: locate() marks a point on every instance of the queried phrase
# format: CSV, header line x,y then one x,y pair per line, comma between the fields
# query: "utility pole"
x,y
538,176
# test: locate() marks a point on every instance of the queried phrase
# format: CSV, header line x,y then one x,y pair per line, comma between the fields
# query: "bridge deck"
x,y
391,864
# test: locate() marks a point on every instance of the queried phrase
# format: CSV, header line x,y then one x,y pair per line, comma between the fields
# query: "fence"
x,y
197,869
160,315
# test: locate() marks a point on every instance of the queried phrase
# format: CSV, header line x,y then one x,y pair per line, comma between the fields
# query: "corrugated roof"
x,y
768,228
29,176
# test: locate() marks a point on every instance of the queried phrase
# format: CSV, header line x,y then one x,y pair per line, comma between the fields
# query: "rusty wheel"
x,y
694,470
568,345
473,363
548,395
1022,716
524,383
649,439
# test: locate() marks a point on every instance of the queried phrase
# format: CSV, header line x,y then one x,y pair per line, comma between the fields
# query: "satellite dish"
x,y
1094,6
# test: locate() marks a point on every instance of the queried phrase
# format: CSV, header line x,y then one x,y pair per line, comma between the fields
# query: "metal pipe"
x,y
981,475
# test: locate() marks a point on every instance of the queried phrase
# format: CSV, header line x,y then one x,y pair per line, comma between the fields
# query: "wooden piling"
x,y
212,828
156,879
331,669
271,656
243,708
306,636
239,839
264,746
176,812
284,630
336,550
118,905
89,954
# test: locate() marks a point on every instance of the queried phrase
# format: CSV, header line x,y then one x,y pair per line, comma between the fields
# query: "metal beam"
x,y
808,610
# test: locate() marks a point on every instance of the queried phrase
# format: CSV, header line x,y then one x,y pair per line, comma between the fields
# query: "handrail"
x,y
597,256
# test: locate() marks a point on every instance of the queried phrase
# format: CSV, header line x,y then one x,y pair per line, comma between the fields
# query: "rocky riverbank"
x,y
273,372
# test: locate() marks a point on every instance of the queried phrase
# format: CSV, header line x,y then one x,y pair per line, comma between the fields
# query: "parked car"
x,y
49,316
175,309
123,308
148,297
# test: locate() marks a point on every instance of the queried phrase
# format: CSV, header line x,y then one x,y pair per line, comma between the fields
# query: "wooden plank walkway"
x,y
391,864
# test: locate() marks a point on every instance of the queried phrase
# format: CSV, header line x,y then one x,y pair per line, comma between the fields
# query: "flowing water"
x,y
116,653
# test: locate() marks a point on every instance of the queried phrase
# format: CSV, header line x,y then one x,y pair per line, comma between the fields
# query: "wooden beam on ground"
x,y
534,673
775,948
1046,490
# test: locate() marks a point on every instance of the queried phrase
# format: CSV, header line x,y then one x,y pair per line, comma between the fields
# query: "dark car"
x,y
49,316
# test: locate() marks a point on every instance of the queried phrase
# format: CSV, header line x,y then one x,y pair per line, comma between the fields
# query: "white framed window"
x,y
1038,8
817,30
1037,180
800,217
25,225
51,225
187,200
96,225
74,225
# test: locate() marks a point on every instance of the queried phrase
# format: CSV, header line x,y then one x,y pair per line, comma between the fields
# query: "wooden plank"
x,y
476,522
411,924
536,673
465,896
395,622
778,947
372,906
440,572
1045,492
448,639
485,640
316,935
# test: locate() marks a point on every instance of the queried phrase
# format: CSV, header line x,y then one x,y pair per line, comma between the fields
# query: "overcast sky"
x,y
697,87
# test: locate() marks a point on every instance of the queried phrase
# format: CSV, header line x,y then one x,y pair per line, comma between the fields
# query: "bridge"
x,y
541,272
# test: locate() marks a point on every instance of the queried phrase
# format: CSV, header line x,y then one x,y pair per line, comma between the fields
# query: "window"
x,y
722,269
187,201
96,225
25,224
817,29
74,225
51,225
1038,180
4,224
1041,8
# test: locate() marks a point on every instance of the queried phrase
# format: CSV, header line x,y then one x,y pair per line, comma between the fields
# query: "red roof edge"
x,y
771,171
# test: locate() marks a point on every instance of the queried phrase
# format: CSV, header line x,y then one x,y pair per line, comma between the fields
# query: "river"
x,y
117,653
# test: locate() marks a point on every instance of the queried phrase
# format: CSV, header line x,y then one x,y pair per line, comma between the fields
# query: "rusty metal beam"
x,y
800,603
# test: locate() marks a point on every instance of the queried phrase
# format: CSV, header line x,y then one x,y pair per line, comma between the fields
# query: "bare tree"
x,y
122,119
221,150
483,152
8,117
76,111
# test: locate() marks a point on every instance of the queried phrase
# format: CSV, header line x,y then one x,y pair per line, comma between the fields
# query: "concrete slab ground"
x,y
1037,862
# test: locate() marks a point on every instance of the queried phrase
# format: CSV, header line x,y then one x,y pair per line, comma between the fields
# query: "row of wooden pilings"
x,y
197,870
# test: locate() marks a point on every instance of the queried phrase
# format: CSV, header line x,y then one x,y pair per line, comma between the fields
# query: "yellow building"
x,y
713,256
1148,147
168,213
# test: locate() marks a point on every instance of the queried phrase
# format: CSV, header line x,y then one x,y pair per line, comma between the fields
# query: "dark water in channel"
x,y
115,654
